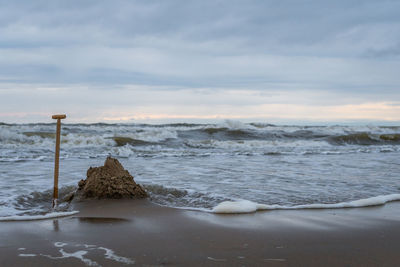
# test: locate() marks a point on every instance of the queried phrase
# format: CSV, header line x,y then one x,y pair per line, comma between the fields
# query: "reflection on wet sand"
x,y
101,220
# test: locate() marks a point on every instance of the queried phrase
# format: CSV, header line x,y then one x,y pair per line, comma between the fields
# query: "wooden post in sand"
x,y
57,157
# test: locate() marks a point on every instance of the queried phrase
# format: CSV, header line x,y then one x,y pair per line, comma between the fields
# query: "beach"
x,y
200,133
309,196
138,232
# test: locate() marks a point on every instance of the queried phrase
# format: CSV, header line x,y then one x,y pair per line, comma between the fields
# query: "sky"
x,y
298,61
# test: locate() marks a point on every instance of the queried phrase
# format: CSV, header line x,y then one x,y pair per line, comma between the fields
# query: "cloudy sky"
x,y
179,60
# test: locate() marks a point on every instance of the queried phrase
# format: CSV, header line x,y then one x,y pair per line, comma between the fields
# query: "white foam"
x,y
83,140
236,125
101,138
246,206
37,217
155,134
277,146
60,244
214,259
77,254
110,254
242,206
123,151
81,254
252,144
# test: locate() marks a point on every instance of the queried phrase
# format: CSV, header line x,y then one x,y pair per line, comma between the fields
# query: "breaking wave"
x,y
122,141
75,135
366,139
36,141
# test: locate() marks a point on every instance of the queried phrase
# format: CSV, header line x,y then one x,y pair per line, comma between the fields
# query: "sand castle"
x,y
109,181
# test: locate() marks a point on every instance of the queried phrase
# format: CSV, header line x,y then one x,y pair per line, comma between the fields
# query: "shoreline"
x,y
122,232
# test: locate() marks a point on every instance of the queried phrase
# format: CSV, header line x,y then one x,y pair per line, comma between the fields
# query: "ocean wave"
x,y
181,198
365,138
232,134
122,140
22,158
236,125
119,135
41,134
246,206
257,144
36,203
209,148
87,138
42,198
28,142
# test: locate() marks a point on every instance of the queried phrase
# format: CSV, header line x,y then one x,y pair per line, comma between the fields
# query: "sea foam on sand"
x,y
37,217
246,206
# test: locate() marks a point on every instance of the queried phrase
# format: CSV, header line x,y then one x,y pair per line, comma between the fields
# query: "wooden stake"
x,y
57,157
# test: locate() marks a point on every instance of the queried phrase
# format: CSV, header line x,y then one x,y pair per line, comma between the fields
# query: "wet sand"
x,y
118,233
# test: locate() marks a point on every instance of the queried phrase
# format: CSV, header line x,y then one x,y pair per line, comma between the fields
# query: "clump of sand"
x,y
109,181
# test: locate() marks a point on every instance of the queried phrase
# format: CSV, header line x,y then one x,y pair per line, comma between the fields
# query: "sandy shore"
x,y
115,233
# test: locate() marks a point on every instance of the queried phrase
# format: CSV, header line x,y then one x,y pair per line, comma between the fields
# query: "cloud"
x,y
388,52
150,103
342,50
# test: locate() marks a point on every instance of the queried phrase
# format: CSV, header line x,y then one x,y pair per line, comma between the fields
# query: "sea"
x,y
229,167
